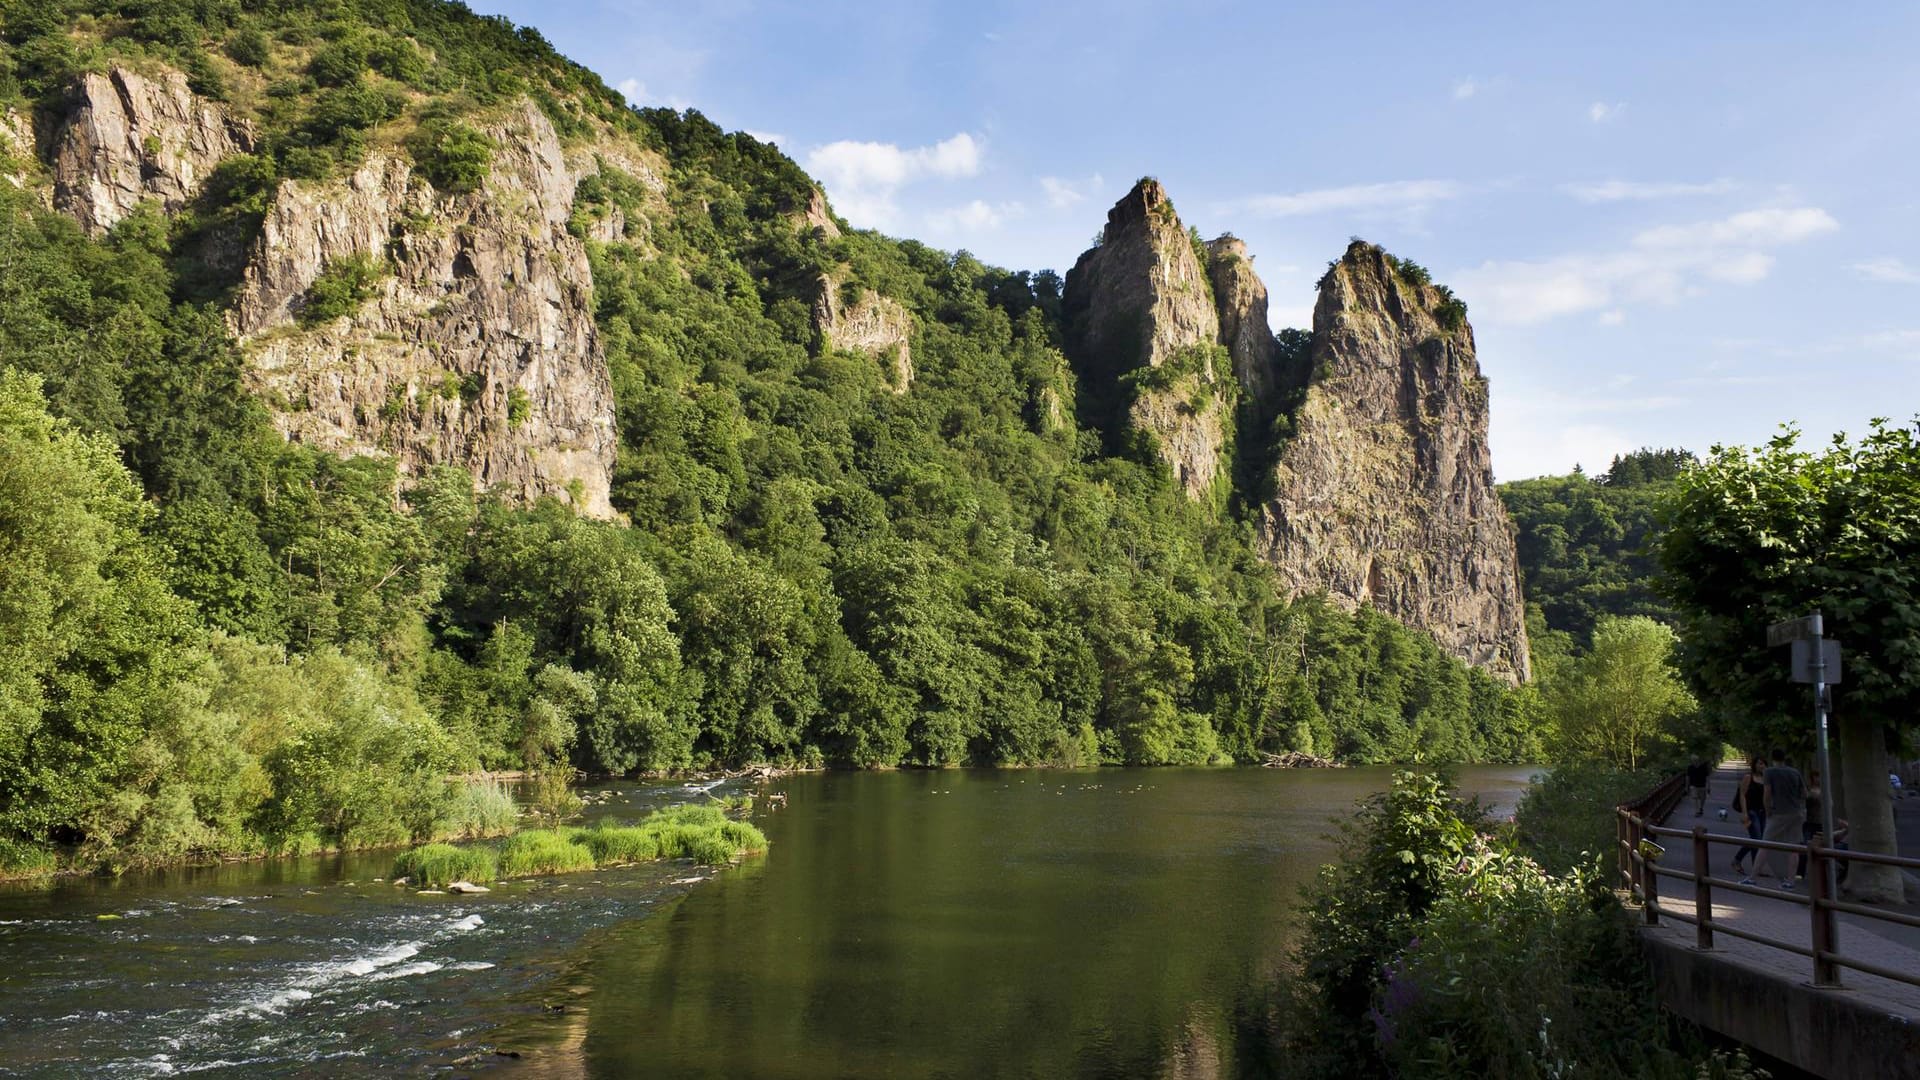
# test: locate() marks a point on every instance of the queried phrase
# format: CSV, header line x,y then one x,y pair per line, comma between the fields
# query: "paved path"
x,y
1872,940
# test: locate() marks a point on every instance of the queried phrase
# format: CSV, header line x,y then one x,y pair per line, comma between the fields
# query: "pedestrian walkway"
x,y
1780,918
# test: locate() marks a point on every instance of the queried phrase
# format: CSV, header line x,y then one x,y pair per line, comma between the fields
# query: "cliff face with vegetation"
x,y
1384,494
383,397
1142,327
1377,485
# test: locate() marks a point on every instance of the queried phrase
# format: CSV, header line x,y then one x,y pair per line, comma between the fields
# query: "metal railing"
x,y
1639,823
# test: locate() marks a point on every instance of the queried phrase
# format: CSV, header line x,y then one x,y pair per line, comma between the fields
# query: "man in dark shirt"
x,y
1697,775
1786,813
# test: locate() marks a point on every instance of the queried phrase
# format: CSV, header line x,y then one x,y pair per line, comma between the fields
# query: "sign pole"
x,y
1819,665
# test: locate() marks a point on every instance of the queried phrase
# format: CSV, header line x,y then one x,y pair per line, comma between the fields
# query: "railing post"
x,y
1702,891
1825,935
1649,884
1622,848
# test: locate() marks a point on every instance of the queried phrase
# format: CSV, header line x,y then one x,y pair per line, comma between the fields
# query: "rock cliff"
x,y
126,137
477,346
1144,334
1241,300
1384,493
866,323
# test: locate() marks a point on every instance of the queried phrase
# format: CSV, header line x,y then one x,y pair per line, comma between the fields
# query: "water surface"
x,y
1096,923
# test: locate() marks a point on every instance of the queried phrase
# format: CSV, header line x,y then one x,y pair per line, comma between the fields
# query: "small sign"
x,y
1803,661
1801,629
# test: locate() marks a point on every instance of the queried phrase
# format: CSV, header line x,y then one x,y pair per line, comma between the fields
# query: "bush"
x,y
543,851
439,865
19,859
452,156
341,288
1565,819
250,47
1435,951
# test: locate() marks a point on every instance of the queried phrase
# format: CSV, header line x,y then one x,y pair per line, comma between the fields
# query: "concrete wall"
x,y
1826,1032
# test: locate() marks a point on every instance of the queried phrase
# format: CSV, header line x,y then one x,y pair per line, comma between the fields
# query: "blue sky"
x,y
1674,225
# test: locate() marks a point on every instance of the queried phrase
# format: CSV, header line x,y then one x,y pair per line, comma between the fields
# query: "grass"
x,y
437,865
703,833
23,860
482,807
543,851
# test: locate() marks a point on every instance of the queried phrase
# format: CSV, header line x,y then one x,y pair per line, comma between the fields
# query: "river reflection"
x,y
980,923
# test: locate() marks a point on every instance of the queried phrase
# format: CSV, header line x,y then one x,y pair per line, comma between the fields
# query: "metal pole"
x,y
1829,885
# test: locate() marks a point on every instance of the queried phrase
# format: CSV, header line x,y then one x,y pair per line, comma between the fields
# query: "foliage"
x,y
1587,547
1762,535
1623,701
439,865
451,155
1435,950
1565,820
341,288
481,807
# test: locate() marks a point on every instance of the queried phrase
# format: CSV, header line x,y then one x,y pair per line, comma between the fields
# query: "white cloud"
x,y
1888,270
1602,113
765,136
1400,195
1780,225
973,217
1064,193
863,177
1465,89
1617,190
1613,318
1661,265
632,89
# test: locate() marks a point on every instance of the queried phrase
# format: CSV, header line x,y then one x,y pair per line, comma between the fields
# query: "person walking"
x,y
1697,775
1811,828
1786,802
1750,803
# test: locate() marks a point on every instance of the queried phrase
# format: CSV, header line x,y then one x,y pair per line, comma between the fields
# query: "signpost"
x,y
1815,660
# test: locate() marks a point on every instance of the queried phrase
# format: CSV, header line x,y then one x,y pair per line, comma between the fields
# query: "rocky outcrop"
x,y
868,323
1240,298
477,345
1143,332
16,147
1384,493
127,137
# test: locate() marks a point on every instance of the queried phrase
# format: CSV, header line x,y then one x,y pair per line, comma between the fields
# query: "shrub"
x,y
543,851
341,288
250,47
19,859
452,156
1565,819
444,864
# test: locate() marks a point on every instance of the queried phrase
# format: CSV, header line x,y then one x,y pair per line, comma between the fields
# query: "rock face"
x,y
869,323
1144,334
1241,299
1384,494
477,347
126,137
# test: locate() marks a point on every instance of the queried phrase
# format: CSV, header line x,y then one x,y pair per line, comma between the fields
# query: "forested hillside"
x,y
217,637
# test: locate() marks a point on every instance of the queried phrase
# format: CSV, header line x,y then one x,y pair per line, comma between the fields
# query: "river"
x,y
1096,923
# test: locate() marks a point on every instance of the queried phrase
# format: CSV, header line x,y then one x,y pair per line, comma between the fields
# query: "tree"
x,y
1757,536
1623,699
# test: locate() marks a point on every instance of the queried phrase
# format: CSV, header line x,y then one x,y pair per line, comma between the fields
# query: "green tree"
x,y
1761,535
1623,700
91,638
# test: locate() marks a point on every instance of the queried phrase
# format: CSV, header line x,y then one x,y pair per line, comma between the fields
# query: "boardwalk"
x,y
1784,916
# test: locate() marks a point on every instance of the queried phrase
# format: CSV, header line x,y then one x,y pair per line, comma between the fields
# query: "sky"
x,y
1673,224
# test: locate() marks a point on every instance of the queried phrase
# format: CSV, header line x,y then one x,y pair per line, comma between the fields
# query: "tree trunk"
x,y
1864,767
